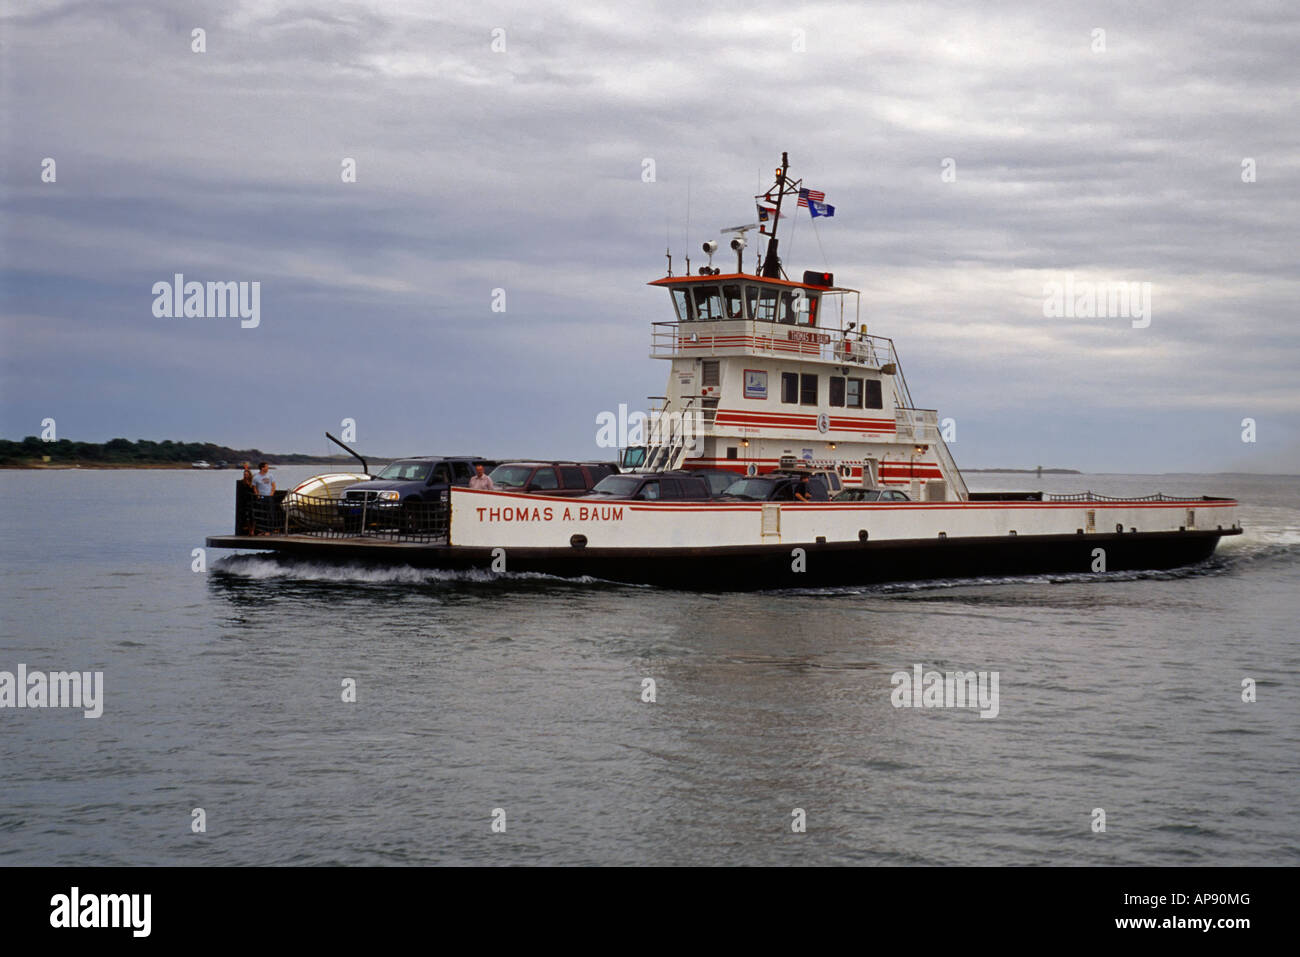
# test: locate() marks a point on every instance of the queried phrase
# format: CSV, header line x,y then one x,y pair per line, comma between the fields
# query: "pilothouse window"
x,y
787,313
766,305
735,305
682,303
708,302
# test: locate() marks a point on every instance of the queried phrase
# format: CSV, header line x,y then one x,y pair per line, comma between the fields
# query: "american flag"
x,y
814,194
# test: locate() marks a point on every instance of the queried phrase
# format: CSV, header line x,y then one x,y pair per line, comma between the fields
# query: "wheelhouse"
x,y
741,296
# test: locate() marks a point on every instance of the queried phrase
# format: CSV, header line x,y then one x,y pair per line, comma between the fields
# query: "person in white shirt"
x,y
481,479
264,486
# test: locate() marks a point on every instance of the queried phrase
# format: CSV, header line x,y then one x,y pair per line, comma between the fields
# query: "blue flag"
x,y
816,209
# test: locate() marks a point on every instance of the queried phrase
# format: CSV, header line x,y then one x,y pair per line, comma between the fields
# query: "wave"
x,y
1260,544
264,568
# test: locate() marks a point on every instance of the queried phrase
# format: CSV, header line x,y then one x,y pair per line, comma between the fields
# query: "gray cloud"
x,y
521,170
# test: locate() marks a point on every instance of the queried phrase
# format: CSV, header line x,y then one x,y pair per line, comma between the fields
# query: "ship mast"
x,y
783,186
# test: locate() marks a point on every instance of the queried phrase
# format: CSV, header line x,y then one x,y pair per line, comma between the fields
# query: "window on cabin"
x,y
837,390
766,304
871,394
790,388
807,389
682,304
853,394
812,309
708,302
785,313
735,305
751,301
709,374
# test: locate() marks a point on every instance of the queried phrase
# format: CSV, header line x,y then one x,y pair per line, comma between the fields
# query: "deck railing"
x,y
916,425
732,336
293,514
1095,497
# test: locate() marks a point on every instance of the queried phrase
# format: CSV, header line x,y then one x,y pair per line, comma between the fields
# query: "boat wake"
x,y
264,568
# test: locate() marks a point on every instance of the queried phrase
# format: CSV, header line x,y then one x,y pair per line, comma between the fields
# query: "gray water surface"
x,y
223,692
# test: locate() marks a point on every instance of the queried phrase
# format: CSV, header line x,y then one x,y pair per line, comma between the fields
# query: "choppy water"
x,y
223,691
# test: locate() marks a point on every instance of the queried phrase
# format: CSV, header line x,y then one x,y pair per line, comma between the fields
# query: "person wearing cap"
x,y
802,492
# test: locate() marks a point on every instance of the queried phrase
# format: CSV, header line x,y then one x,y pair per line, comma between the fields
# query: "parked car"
x,y
550,478
399,496
719,479
781,485
830,479
652,487
871,495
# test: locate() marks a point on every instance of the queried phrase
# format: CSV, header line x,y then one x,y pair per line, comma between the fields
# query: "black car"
x,y
399,495
652,487
719,479
775,488
871,495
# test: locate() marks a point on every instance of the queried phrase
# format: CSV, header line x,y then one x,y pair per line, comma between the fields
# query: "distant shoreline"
x,y
342,465
114,466
1026,471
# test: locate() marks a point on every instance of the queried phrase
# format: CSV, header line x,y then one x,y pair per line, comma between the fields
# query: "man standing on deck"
x,y
802,492
481,479
264,485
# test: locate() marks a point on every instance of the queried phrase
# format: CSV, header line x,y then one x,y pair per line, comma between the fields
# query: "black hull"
x,y
750,568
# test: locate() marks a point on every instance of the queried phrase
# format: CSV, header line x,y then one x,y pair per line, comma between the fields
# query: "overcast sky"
x,y
522,170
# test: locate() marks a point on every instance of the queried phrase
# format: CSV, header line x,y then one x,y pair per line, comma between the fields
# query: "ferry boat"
x,y
771,373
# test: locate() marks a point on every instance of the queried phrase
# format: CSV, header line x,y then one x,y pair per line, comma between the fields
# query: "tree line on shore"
x,y
34,451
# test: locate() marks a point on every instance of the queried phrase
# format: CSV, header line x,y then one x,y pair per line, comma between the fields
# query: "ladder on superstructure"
x,y
670,452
